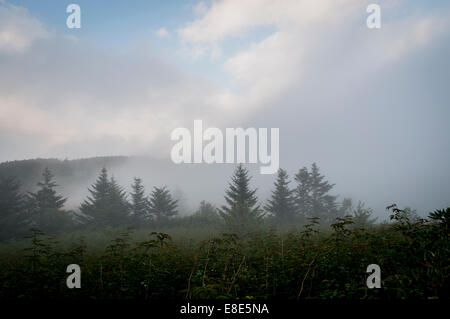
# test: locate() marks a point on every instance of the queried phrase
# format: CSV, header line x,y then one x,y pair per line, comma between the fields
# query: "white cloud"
x,y
411,33
77,94
162,33
200,8
18,30
21,116
230,18
269,69
66,96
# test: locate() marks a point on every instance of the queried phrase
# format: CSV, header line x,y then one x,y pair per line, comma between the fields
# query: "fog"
x,y
370,107
192,183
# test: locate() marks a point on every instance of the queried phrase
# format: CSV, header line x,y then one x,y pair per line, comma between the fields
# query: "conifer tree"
x,y
301,193
207,213
345,208
323,204
139,202
119,202
107,204
362,216
241,214
45,207
312,195
281,205
11,207
162,205
46,196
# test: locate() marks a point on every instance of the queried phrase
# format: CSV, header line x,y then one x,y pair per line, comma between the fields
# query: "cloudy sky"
x,y
370,106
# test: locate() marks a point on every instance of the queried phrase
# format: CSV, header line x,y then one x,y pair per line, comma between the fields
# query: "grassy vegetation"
x,y
180,261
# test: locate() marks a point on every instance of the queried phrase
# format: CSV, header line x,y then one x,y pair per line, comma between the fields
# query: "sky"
x,y
370,106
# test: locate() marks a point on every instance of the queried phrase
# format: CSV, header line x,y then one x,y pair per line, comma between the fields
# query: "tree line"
x,y
108,204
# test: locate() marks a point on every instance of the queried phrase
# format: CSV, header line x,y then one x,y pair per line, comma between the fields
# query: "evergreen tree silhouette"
x,y
281,205
45,207
162,205
107,204
241,214
11,207
302,198
140,206
312,196
46,197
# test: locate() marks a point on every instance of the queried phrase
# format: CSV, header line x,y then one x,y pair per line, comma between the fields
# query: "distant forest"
x,y
29,172
29,198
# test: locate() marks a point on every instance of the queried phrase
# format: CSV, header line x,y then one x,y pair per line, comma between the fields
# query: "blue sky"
x,y
100,17
120,25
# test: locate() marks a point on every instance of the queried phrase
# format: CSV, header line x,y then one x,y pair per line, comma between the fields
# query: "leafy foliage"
x,y
308,264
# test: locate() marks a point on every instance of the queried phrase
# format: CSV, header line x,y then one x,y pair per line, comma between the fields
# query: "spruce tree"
x,y
312,195
241,214
11,207
281,205
207,214
107,204
362,216
119,203
323,204
302,198
345,208
161,204
139,202
45,207
46,196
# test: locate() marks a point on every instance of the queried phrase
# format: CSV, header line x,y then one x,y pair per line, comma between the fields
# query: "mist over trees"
x,y
140,205
11,207
281,205
312,195
45,208
241,212
308,196
107,204
362,216
238,250
162,206
42,209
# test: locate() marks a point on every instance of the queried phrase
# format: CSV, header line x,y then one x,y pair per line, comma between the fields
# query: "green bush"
x,y
307,263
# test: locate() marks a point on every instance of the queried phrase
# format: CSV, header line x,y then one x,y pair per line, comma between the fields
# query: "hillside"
x,y
66,171
75,176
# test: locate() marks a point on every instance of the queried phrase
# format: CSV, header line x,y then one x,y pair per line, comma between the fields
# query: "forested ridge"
x,y
29,172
